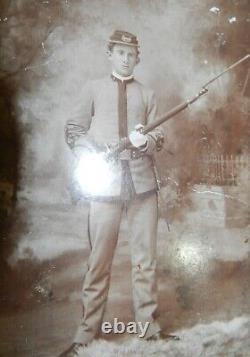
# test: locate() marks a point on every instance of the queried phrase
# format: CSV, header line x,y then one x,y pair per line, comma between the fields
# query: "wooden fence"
x,y
223,169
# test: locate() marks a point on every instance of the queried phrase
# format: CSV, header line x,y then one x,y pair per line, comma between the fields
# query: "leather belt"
x,y
130,154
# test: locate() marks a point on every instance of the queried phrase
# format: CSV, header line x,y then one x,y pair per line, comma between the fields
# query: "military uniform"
x,y
111,107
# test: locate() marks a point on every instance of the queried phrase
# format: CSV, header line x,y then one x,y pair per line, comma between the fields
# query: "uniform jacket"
x,y
95,119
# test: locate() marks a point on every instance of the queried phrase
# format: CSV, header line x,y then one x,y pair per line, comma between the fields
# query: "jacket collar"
x,y
117,77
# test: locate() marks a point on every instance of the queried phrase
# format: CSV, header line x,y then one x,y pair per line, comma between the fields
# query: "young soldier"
x,y
111,108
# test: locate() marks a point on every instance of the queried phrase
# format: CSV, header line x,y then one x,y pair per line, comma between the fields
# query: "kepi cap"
x,y
124,38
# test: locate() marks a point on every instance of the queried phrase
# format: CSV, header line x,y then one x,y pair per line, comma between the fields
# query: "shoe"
x,y
75,350
162,336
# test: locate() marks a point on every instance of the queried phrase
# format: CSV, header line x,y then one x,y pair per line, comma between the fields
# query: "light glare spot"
x,y
94,173
192,257
189,254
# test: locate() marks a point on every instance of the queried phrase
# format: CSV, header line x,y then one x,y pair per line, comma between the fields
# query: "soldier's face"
x,y
123,59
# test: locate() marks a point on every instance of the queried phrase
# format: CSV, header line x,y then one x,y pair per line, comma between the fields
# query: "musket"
x,y
125,143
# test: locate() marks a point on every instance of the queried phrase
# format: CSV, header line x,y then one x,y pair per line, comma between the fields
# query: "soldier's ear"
x,y
108,53
137,59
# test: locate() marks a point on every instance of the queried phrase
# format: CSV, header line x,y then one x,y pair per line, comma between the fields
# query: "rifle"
x,y
126,144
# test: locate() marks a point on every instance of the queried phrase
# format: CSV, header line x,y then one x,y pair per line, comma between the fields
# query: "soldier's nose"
x,y
125,59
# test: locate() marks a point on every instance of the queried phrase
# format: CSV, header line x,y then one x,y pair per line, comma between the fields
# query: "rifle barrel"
x,y
227,69
170,114
182,106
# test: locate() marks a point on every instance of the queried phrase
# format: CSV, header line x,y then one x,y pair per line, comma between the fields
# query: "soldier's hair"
x,y
111,45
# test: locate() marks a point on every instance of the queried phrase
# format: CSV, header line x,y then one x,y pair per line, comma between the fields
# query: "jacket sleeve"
x,y
156,136
79,122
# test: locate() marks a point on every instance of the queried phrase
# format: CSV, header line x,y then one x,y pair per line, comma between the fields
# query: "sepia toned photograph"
x,y
125,178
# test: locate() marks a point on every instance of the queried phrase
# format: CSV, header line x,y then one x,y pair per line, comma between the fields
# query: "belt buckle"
x,y
129,154
125,155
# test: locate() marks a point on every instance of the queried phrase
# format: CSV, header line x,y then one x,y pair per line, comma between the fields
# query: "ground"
x,y
197,286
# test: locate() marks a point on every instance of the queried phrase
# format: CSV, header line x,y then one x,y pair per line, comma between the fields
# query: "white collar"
x,y
121,78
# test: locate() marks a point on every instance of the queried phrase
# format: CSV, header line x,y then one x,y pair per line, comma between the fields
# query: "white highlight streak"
x,y
232,19
215,10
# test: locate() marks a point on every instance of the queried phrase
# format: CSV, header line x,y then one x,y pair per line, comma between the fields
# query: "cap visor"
x,y
124,43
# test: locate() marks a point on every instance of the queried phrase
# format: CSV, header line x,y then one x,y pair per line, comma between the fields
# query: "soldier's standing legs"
x,y
142,215
104,224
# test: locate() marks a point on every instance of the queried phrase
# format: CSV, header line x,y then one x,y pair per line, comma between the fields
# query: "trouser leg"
x,y
142,216
104,223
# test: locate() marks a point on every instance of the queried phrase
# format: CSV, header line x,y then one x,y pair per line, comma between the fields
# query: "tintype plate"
x,y
51,51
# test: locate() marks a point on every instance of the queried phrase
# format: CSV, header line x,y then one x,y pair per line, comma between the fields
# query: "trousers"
x,y
104,225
